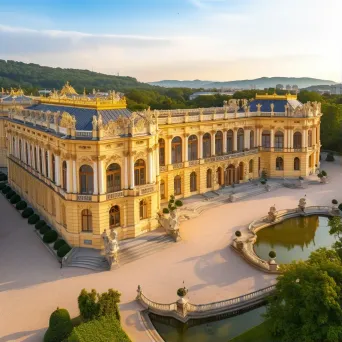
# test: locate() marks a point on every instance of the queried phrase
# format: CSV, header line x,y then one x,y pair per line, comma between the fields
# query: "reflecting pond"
x,y
294,239
221,330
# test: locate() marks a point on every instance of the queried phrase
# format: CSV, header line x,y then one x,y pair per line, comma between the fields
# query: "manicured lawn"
x,y
104,329
259,333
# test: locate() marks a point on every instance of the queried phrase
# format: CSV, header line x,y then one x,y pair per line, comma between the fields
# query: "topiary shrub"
x,y
50,236
334,201
6,189
324,174
330,157
237,233
33,219
44,229
2,186
60,326
59,243
15,199
21,205
340,206
272,254
27,213
40,224
3,177
179,203
182,291
63,251
166,211
10,194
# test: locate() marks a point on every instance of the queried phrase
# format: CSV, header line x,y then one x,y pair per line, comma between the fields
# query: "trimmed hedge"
x,y
21,205
50,236
59,243
60,326
27,213
40,224
33,219
15,199
340,206
6,189
10,194
44,229
3,177
2,186
63,251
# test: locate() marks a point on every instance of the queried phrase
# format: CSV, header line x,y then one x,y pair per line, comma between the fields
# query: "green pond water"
x,y
294,239
218,331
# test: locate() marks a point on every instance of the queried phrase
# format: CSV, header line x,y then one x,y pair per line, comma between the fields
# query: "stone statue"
x,y
94,123
259,107
272,214
73,122
111,246
99,121
272,107
302,204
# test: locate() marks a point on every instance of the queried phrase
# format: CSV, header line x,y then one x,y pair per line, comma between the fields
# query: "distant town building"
x,y
336,89
206,93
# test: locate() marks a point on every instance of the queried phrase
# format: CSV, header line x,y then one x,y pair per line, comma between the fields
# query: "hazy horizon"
x,y
151,40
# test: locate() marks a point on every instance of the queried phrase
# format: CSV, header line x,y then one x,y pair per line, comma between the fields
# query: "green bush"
x,y
2,186
27,213
3,177
33,219
179,203
44,229
21,205
59,243
237,233
63,251
272,254
334,201
10,194
40,224
340,206
6,189
166,211
50,236
330,157
15,199
60,326
324,174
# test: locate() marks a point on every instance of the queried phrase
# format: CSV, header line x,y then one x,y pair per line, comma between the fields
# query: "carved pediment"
x,y
113,128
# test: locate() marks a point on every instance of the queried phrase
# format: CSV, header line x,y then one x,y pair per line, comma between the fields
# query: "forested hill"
x,y
33,76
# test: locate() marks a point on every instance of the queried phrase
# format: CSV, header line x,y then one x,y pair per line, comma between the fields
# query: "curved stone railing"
x,y
245,245
183,310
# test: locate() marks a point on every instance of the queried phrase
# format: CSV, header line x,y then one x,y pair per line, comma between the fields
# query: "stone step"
x,y
89,265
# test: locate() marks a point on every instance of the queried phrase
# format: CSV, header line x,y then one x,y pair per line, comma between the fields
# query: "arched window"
x,y
266,139
209,178
296,164
41,161
161,152
139,172
26,154
46,163
143,209
279,164
193,181
162,189
240,140
206,145
176,149
219,143
251,139
230,137
53,168
113,175
310,138
64,175
114,216
279,140
177,184
86,179
297,140
192,147
218,175
251,166
87,220
20,149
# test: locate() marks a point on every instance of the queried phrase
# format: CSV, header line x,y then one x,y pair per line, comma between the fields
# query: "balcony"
x,y
116,194
84,198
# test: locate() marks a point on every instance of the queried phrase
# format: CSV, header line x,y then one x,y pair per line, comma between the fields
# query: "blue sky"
x,y
177,39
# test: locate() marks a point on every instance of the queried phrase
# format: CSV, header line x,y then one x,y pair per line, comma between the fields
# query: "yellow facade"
x,y
149,156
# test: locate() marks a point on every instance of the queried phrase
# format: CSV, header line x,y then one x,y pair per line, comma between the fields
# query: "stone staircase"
x,y
131,251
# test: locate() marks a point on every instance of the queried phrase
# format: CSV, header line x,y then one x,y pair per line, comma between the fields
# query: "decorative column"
x,y
74,175
224,141
101,185
69,173
304,137
126,171
235,139
260,137
285,139
246,137
24,151
150,166
200,149
185,147
290,138
131,157
213,147
37,159
313,134
157,158
49,166
57,168
169,141
272,137
96,180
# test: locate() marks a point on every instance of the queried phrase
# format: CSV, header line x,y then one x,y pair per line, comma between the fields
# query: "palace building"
x,y
86,163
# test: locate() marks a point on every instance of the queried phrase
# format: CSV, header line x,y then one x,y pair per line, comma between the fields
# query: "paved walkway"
x,y
32,285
